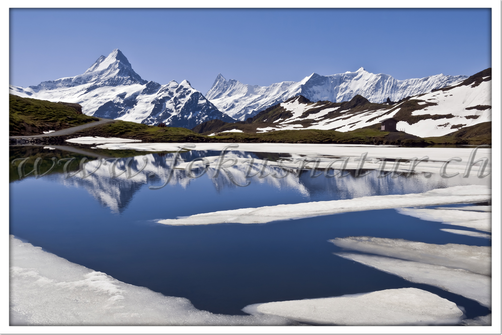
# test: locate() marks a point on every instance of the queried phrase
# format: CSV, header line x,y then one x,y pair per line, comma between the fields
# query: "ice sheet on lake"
x,y
404,306
465,283
472,219
472,258
100,140
485,320
468,208
49,290
467,233
451,195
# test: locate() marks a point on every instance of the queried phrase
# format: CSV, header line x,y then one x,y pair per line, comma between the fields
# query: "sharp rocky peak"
x,y
116,57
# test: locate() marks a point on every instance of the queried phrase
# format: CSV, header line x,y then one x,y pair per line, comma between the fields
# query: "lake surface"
x,y
109,224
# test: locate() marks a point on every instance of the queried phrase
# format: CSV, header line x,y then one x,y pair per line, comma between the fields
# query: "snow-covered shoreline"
x,y
47,290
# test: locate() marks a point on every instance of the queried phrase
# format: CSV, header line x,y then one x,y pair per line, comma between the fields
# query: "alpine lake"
x,y
102,211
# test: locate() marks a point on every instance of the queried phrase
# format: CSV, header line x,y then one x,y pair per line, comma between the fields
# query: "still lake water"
x,y
108,225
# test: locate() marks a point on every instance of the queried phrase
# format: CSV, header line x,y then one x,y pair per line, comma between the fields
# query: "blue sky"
x,y
254,46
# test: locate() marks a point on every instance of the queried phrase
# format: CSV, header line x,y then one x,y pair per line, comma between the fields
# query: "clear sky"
x,y
254,46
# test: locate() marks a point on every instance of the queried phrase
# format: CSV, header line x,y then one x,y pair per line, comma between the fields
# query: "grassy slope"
x,y
143,132
480,134
32,117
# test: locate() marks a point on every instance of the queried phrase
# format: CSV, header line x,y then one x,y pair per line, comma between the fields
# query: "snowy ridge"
x,y
241,101
111,89
461,106
438,113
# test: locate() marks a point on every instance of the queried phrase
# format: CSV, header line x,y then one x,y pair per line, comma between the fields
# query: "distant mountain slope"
x,y
438,113
449,109
110,88
241,101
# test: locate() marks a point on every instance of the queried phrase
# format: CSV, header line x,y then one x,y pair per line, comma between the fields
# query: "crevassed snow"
x,y
472,258
465,283
49,290
451,195
404,306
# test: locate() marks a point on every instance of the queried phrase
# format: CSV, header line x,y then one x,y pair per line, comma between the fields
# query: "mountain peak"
x,y
119,56
361,69
219,79
186,83
219,84
103,63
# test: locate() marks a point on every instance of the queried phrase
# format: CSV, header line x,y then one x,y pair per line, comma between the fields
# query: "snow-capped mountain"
x,y
111,89
440,112
241,101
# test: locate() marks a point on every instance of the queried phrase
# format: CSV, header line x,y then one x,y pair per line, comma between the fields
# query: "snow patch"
x,y
404,306
232,131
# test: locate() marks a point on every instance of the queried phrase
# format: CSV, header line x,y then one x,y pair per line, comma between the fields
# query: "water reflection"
x,y
113,182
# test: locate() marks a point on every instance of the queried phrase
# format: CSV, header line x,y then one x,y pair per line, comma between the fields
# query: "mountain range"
x,y
241,101
110,88
437,113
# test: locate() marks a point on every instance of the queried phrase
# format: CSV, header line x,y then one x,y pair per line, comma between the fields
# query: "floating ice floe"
x,y
451,195
99,140
471,219
472,258
479,321
465,283
48,290
467,233
404,306
468,208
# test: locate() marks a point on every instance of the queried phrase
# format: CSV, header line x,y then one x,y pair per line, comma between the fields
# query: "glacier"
x,y
242,101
